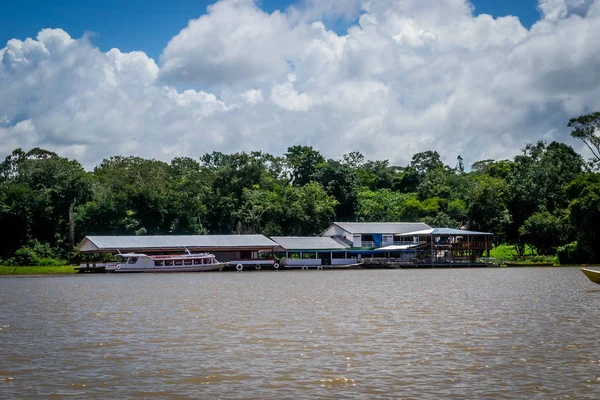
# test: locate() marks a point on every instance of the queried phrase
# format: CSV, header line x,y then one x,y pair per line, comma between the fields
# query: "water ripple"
x,y
402,334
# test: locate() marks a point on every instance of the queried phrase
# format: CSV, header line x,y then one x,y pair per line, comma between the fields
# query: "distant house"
x,y
372,234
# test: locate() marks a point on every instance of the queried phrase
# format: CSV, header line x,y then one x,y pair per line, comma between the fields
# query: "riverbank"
x,y
38,270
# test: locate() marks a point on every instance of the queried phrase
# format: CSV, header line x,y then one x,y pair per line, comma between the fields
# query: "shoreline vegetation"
x,y
544,202
37,270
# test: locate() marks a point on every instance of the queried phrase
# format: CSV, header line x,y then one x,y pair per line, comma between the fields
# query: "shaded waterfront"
x,y
493,333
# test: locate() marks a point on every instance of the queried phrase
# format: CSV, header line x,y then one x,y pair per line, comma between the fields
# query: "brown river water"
x,y
511,333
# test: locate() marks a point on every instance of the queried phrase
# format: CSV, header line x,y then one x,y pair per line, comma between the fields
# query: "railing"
x,y
98,264
367,244
472,246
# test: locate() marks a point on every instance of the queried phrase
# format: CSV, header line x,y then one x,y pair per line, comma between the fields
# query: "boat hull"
x,y
179,268
592,275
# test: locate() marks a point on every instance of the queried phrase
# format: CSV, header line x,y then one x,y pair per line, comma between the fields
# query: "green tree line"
x,y
547,197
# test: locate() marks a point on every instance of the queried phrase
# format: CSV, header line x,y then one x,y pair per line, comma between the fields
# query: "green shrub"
x,y
571,253
503,252
34,253
50,262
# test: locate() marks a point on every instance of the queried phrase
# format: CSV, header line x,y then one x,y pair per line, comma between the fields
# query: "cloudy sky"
x,y
388,78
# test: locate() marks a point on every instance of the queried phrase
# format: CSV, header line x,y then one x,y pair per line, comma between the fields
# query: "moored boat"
x,y
136,262
526,264
592,275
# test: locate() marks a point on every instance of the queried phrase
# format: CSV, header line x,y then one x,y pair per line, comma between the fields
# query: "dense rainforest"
x,y
547,198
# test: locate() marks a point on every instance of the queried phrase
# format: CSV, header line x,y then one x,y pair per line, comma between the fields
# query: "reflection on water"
x,y
481,333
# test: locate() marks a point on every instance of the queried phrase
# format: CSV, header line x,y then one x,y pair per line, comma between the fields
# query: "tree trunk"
x,y
72,224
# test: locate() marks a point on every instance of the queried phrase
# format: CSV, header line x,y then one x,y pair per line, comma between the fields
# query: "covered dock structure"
x,y
441,247
314,252
239,250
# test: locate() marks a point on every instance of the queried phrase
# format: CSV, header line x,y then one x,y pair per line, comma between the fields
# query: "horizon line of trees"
x,y
547,197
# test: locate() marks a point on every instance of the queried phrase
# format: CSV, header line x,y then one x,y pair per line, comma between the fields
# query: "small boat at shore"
x,y
526,264
137,262
592,275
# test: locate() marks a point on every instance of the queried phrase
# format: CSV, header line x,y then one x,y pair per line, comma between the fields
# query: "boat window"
x,y
178,262
169,262
158,263
188,262
246,255
132,260
196,262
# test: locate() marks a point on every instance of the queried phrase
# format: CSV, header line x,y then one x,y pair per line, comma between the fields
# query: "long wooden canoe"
x,y
592,275
525,264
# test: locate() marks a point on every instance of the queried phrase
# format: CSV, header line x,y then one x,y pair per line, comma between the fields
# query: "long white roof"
x,y
175,242
308,243
382,227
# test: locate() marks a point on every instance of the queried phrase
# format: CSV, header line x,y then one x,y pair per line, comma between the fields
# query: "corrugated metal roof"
x,y
381,227
446,231
398,247
309,243
179,241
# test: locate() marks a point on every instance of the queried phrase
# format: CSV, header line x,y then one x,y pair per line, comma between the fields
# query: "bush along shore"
x,y
37,270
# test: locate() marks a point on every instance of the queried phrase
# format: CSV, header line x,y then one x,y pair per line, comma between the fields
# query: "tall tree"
x,y
587,128
340,181
37,189
584,213
302,162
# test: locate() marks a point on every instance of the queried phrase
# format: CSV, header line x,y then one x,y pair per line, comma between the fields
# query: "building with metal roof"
x,y
313,251
309,243
371,235
170,243
374,228
239,250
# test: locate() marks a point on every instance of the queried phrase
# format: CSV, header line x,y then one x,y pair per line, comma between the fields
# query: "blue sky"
x,y
147,25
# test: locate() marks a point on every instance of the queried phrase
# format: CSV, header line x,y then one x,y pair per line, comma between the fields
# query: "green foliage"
x,y
503,252
584,213
508,252
303,162
542,199
37,270
571,253
587,128
487,211
37,189
35,253
544,232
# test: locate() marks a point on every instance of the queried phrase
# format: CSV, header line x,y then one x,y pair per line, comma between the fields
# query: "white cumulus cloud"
x,y
408,76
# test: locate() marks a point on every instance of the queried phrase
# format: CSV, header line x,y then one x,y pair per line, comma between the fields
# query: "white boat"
x,y
137,262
